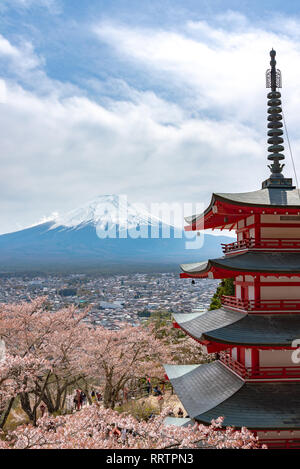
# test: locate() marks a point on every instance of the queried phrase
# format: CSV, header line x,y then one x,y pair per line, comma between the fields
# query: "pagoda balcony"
x,y
260,372
264,244
263,306
281,443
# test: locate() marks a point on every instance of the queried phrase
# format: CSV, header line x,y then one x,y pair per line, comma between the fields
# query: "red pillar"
x,y
257,227
257,288
242,355
255,358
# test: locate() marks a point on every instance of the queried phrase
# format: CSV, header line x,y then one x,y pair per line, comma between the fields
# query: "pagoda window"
x,y
252,233
234,353
250,220
277,292
281,280
246,234
238,292
251,293
277,232
248,357
284,219
279,227
276,358
241,224
249,278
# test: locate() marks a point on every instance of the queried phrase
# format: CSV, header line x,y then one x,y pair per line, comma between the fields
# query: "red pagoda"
x,y
254,382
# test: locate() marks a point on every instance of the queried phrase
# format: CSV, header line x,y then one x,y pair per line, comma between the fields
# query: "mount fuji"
x,y
106,234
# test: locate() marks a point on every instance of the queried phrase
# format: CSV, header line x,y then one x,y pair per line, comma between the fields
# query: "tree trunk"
x,y
64,398
6,412
48,401
25,404
109,397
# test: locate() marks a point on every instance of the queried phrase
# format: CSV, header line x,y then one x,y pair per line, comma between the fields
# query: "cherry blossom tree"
x,y
74,353
119,356
99,428
184,349
48,353
54,339
17,376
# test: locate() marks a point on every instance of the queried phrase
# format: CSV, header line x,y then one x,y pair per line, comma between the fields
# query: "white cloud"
x,y
60,147
221,68
21,64
52,6
21,59
7,49
58,152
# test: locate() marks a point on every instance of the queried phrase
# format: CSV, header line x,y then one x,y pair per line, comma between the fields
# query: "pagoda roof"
x,y
260,406
211,390
226,209
233,327
197,324
251,262
264,197
204,386
178,421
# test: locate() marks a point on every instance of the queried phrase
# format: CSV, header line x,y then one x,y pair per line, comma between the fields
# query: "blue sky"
x,y
160,100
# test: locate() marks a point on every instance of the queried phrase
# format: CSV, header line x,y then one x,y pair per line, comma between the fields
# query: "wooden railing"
x,y
265,243
236,366
260,372
261,305
280,443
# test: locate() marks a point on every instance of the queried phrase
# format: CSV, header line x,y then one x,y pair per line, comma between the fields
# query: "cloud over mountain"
x,y
169,114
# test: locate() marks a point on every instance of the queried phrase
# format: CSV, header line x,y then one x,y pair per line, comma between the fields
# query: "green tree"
x,y
161,321
226,287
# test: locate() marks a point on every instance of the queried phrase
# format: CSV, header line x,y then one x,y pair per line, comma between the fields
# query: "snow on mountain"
x,y
106,211
108,235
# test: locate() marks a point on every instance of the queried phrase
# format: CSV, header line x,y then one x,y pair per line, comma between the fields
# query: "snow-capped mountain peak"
x,y
106,210
96,236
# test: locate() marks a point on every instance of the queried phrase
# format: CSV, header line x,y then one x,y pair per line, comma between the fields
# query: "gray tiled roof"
x,y
200,323
178,422
260,405
205,387
182,318
275,197
211,390
279,329
176,371
195,267
253,261
232,327
264,197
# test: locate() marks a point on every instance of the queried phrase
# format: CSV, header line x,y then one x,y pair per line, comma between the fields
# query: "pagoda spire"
x,y
275,132
273,81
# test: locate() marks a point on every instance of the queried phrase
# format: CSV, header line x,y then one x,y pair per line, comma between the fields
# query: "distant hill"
x,y
72,243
